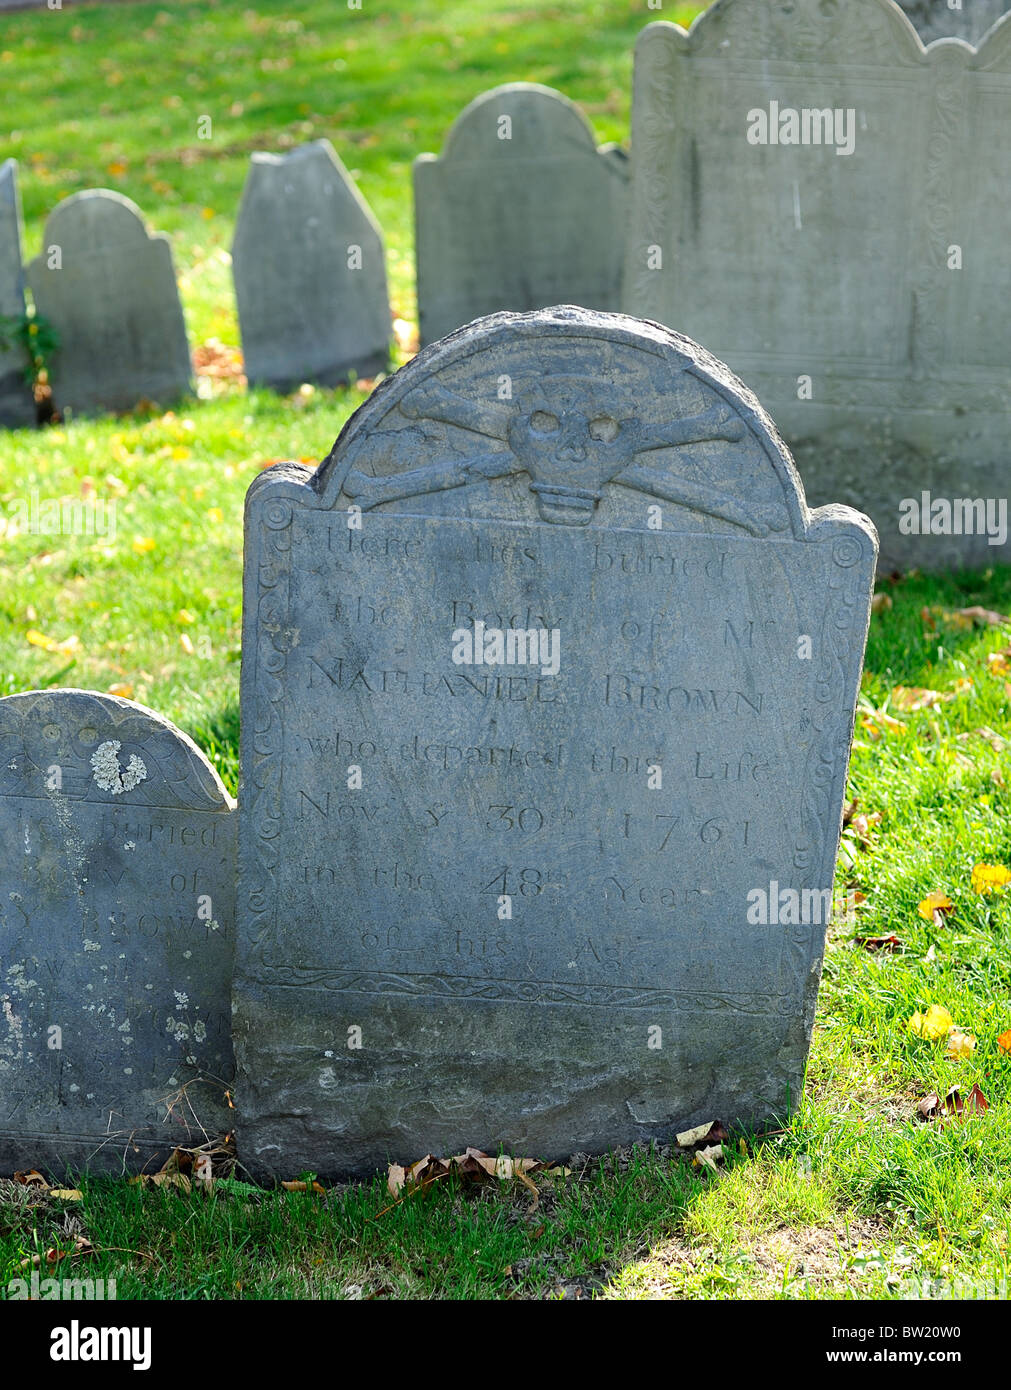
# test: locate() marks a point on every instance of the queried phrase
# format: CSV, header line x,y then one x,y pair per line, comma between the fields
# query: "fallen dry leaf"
x,y
32,1178
913,697
935,1024
162,1179
299,1186
879,943
66,1194
1004,1043
880,603
979,617
990,878
960,1045
933,907
707,1157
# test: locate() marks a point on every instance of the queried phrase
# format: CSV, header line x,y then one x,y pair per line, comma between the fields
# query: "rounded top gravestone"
x,y
548,685
108,288
521,210
117,897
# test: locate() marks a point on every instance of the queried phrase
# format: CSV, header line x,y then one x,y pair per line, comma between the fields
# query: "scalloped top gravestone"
x,y
967,19
548,687
310,272
117,896
108,287
520,211
16,405
823,203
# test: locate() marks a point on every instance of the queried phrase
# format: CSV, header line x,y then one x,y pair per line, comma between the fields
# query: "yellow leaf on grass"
x,y
215,514
186,643
1004,1043
185,616
990,878
66,1194
913,697
123,690
50,644
143,544
935,1024
960,1044
934,902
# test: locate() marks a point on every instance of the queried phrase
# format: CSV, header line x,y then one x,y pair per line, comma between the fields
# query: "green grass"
x,y
854,1197
383,84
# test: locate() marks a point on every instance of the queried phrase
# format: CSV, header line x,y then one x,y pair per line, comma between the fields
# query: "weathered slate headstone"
x,y
965,19
109,290
844,190
117,895
310,272
520,211
520,750
16,405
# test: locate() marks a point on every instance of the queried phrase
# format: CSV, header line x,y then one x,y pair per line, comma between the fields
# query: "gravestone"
x,y
520,211
520,749
844,190
310,272
109,289
117,896
966,19
16,405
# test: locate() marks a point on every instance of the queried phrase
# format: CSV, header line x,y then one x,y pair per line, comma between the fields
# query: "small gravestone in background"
x,y
117,892
849,261
310,272
520,211
109,290
936,19
16,405
548,686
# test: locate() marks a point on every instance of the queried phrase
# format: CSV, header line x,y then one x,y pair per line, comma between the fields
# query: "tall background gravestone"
x,y
520,211
855,277
109,290
475,884
16,405
310,272
936,19
117,895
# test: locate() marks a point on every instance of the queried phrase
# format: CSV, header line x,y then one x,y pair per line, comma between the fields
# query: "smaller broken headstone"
x,y
965,19
109,290
520,211
117,893
310,273
16,405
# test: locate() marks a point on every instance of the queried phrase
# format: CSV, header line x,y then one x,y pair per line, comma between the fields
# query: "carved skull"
x,y
571,442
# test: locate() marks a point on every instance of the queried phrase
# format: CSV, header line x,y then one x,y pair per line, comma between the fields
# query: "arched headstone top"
x,y
566,417
540,121
98,219
106,749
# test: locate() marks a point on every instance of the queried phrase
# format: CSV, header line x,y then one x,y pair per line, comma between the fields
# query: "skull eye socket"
x,y
543,422
604,428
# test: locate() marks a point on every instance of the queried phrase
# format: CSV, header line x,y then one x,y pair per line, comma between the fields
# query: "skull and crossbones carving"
x,y
570,446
